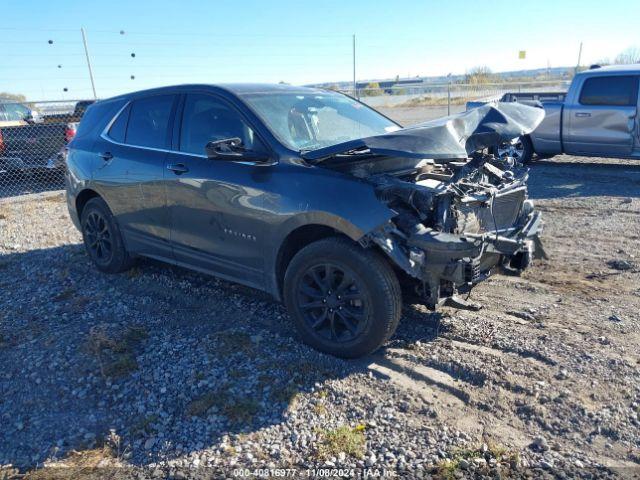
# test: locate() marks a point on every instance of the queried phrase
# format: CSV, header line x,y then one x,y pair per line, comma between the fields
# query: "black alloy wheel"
x,y
344,299
333,302
99,240
102,238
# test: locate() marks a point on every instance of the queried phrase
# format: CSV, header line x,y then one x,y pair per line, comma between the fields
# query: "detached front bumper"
x,y
443,264
518,246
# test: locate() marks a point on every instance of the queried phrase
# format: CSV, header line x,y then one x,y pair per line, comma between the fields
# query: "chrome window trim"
x,y
105,136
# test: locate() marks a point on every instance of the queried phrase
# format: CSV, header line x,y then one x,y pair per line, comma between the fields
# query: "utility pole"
x,y
579,57
86,52
448,95
355,89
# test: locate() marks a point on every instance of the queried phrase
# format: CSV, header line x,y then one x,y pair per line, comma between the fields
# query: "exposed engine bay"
x,y
456,219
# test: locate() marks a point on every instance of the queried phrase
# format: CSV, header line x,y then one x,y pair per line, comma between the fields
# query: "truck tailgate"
x,y
31,146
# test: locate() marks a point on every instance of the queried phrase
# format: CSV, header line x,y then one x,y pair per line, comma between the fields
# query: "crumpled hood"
x,y
456,136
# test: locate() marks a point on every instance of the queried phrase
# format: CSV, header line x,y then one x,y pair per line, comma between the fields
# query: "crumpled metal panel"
x,y
456,136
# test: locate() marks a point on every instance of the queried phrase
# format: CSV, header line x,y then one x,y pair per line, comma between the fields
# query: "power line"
x,y
16,29
64,66
184,34
36,42
195,34
163,55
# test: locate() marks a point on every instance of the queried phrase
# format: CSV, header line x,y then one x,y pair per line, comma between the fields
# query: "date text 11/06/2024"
x,y
328,472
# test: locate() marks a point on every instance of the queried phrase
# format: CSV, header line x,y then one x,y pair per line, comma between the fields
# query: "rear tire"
x,y
344,300
102,238
521,149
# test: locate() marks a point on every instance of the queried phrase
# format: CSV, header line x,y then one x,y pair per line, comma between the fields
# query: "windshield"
x,y
310,121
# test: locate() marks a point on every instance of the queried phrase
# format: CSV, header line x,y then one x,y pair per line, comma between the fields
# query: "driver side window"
x,y
207,119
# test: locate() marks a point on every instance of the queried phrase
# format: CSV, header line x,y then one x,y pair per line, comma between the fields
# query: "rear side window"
x,y
149,121
119,127
613,91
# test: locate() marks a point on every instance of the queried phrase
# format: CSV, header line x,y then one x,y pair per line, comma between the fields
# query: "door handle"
x,y
583,114
106,156
177,168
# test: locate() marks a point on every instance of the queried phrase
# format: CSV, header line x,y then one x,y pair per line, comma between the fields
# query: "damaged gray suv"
x,y
307,194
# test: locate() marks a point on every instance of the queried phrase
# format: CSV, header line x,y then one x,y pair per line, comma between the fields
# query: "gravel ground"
x,y
163,372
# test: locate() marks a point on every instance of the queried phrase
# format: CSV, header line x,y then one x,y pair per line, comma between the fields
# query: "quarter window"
x,y
149,121
119,127
207,119
613,91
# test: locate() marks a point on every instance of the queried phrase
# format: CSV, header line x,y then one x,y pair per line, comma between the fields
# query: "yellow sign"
x,y
522,54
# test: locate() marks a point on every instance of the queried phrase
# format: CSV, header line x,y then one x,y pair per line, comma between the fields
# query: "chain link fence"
x,y
33,139
33,135
413,104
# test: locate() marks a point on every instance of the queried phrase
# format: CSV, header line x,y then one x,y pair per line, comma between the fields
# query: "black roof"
x,y
237,89
246,88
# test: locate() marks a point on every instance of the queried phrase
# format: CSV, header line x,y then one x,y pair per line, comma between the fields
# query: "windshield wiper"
x,y
357,151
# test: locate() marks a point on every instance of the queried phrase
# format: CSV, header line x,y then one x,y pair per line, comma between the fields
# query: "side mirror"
x,y
232,149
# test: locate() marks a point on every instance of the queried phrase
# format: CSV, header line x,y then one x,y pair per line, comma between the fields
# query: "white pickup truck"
x,y
597,117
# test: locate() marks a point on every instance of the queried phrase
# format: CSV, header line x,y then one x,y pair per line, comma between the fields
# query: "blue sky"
x,y
297,42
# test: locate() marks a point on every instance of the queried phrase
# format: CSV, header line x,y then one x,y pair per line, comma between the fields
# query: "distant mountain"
x,y
554,73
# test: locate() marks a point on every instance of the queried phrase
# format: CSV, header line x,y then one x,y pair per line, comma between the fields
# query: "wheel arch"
x,y
82,198
304,228
296,240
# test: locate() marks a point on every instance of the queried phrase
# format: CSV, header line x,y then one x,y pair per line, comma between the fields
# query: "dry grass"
x,y
57,198
229,342
345,439
200,405
426,101
66,294
134,272
238,410
121,366
450,469
93,464
145,425
115,355
288,394
320,409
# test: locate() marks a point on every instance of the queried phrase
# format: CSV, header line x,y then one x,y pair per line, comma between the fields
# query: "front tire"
x,y
102,238
344,300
